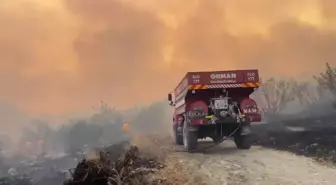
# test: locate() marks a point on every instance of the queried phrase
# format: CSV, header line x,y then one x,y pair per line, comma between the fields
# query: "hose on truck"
x,y
223,139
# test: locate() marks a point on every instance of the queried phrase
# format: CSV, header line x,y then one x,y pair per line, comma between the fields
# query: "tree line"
x,y
274,94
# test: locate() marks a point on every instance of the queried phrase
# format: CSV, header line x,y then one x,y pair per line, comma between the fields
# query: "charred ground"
x,y
143,158
311,137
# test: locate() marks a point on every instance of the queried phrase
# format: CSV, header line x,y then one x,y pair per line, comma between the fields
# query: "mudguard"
x,y
246,129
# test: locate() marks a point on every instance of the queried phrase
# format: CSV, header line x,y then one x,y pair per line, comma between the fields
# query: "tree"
x,y
327,79
111,120
105,115
275,94
306,93
82,133
150,119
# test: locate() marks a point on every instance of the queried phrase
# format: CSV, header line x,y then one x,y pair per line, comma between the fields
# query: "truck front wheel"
x,y
243,141
189,139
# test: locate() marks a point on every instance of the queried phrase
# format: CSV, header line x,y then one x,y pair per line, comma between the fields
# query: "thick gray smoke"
x,y
53,148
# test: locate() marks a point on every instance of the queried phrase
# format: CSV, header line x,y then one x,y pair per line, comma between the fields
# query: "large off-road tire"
x,y
178,137
243,141
189,139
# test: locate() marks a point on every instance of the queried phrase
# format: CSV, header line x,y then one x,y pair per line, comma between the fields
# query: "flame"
x,y
126,127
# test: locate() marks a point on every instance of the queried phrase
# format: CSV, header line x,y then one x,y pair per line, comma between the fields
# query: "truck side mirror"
x,y
170,97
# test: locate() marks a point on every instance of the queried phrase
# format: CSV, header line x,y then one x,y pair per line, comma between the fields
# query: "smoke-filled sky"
x,y
58,56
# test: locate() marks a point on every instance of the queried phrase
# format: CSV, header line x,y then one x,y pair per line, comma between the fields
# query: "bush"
x,y
327,80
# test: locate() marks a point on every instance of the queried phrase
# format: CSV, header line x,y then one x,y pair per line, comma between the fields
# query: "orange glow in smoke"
x,y
57,56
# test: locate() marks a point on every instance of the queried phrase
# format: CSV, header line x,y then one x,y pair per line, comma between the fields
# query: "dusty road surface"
x,y
226,165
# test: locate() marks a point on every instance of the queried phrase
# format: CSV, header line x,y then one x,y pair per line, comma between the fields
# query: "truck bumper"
x,y
254,118
228,120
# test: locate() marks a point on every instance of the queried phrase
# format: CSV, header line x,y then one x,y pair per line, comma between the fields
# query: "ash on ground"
x,y
40,171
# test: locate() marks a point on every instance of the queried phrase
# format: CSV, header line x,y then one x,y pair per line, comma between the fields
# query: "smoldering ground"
x,y
64,147
60,56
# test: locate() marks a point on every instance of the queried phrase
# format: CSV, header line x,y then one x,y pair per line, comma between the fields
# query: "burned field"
x,y
313,138
140,160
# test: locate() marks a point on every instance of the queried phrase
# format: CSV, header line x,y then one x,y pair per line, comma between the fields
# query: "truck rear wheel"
x,y
243,141
189,139
178,136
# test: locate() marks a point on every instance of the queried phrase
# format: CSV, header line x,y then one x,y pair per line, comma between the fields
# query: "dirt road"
x,y
225,165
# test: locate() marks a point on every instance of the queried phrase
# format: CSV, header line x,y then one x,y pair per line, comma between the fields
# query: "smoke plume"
x,y
58,56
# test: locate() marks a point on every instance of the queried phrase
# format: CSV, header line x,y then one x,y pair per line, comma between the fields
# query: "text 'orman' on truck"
x,y
215,104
